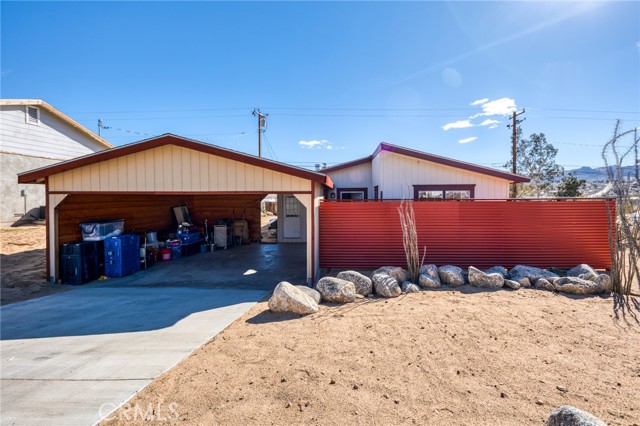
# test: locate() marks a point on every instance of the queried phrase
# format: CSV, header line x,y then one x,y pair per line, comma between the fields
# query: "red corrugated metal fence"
x,y
561,233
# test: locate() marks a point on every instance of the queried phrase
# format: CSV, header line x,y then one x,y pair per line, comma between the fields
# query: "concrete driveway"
x,y
72,357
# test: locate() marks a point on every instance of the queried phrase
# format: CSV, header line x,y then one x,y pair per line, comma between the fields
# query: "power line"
x,y
270,148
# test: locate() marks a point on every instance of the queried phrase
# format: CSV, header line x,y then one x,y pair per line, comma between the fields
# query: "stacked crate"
x,y
121,255
79,262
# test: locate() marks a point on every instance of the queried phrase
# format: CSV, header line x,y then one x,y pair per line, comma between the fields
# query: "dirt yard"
x,y
22,264
430,358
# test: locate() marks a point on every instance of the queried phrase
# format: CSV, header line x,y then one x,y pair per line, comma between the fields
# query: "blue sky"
x,y
335,78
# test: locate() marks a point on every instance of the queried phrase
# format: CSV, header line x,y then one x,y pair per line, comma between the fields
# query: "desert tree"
x,y
571,186
624,227
536,158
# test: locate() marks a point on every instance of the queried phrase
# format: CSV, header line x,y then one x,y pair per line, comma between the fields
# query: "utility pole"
x,y
262,125
100,126
514,168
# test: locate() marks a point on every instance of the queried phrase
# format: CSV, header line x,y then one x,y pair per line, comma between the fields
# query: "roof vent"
x,y
33,115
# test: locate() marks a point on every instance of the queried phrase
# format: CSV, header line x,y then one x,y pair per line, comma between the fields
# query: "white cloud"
x,y
467,140
460,124
493,126
315,144
502,106
489,122
479,102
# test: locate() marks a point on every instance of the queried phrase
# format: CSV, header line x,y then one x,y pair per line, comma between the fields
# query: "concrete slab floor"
x,y
72,357
248,266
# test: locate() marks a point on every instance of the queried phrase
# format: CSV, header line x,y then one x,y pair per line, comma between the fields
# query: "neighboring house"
x,y
393,172
33,134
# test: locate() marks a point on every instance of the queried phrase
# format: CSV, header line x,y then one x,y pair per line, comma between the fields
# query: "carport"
x,y
142,181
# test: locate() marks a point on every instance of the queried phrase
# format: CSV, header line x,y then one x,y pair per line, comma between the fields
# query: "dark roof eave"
x,y
348,164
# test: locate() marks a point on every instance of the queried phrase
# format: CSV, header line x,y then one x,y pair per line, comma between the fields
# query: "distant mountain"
x,y
599,173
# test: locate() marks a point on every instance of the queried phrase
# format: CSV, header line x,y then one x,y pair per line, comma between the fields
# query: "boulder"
x,y
530,272
287,298
477,278
575,285
427,281
524,282
314,294
336,290
409,287
394,271
431,271
362,283
386,286
605,281
498,269
513,285
543,284
451,275
567,415
583,269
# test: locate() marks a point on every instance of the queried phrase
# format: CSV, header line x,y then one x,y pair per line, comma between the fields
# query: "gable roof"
x,y
42,104
384,146
38,175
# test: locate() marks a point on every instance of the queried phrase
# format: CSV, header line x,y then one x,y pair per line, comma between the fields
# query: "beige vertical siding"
x,y
175,169
396,175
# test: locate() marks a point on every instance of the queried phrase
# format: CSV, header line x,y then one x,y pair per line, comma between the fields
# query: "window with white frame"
x,y
352,193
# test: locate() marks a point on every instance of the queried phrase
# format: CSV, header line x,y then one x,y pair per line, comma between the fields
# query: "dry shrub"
x,y
410,240
624,234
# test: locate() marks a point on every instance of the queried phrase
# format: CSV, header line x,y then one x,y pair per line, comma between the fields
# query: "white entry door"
x,y
292,220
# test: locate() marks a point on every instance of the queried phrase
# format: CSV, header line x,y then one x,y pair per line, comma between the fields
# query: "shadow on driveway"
x,y
114,310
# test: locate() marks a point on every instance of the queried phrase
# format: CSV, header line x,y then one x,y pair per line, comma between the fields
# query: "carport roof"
x,y
38,175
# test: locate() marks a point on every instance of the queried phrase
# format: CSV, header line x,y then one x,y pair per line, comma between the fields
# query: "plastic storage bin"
x,y
220,236
189,238
79,262
85,248
121,255
97,231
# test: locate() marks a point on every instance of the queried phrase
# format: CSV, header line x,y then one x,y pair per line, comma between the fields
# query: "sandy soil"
x,y
268,236
22,264
431,358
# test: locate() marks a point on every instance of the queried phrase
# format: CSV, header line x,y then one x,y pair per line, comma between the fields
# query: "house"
x,y
395,172
142,181
33,134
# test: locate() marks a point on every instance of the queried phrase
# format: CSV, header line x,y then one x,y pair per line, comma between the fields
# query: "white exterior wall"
x,y
318,197
25,147
51,138
358,176
171,168
396,174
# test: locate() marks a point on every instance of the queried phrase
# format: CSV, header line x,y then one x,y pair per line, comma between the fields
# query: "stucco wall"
x,y
12,203
24,147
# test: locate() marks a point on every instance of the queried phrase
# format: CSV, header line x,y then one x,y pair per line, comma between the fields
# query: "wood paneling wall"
x,y
153,212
